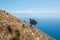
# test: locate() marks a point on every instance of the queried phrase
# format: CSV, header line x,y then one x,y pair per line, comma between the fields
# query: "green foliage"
x,y
24,21
18,20
22,25
9,29
7,13
1,23
3,10
17,33
15,38
33,22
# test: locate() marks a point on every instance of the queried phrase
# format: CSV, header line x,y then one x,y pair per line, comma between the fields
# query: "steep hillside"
x,y
11,28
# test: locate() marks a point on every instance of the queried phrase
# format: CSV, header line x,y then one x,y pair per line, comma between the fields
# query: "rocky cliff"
x,y
11,28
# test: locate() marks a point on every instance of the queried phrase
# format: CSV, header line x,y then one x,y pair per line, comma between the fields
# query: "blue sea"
x,y
48,25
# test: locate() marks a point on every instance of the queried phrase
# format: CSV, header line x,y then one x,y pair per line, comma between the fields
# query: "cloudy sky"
x,y
35,7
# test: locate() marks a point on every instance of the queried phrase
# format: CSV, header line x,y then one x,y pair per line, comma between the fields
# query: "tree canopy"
x,y
33,22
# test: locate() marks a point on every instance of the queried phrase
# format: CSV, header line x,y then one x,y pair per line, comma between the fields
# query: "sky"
x,y
35,7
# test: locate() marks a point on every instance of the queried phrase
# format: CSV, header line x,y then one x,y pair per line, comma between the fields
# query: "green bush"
x,y
9,29
18,20
3,10
7,13
15,38
17,33
22,25
1,23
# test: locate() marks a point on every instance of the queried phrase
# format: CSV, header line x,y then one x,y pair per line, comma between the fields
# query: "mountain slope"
x,y
11,28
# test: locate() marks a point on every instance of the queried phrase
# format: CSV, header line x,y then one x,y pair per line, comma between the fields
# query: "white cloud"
x,y
22,11
39,13
44,12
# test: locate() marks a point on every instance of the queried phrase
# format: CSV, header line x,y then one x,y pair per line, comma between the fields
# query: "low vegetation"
x,y
9,28
17,32
15,38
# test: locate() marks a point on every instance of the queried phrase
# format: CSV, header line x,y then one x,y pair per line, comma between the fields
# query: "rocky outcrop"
x,y
11,28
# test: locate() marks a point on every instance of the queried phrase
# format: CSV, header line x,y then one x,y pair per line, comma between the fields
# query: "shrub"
x,y
15,38
17,33
1,23
22,25
18,20
3,10
7,13
9,29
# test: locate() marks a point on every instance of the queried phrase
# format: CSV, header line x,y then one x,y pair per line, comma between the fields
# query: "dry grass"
x,y
25,31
